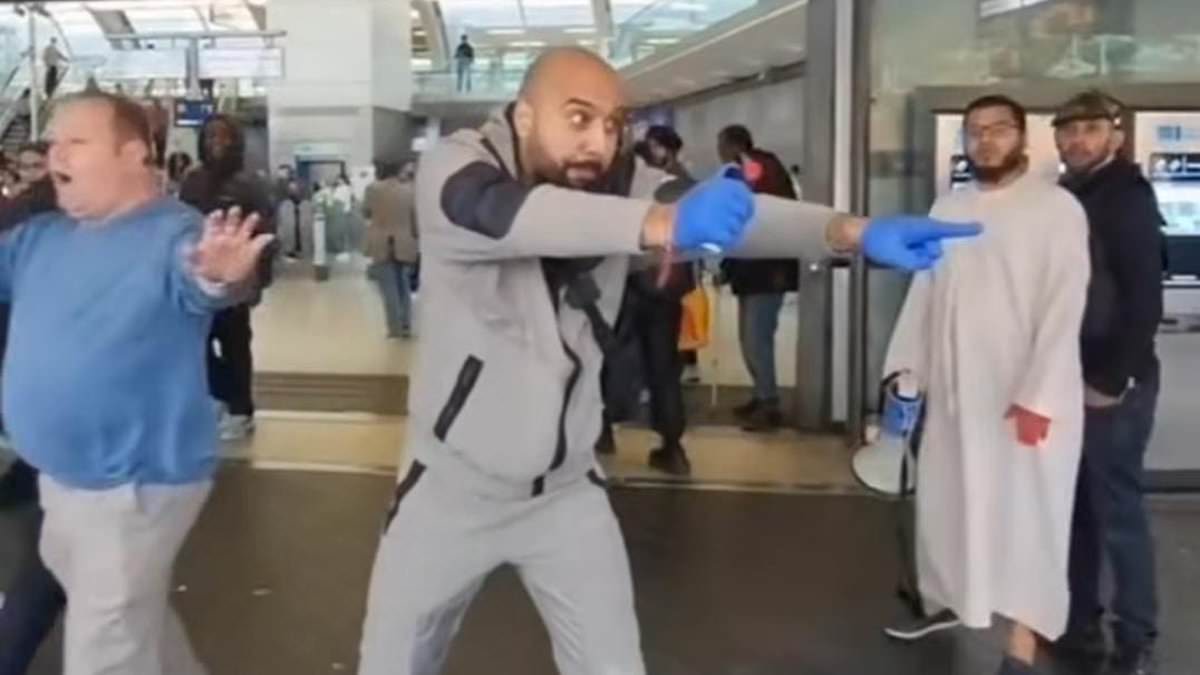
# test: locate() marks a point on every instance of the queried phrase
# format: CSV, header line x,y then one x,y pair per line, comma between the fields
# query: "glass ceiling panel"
x,y
481,13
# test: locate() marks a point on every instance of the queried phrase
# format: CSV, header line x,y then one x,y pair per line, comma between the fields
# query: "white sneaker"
x,y
236,427
691,374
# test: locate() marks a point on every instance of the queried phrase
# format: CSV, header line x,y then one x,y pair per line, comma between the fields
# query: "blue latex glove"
x,y
911,242
714,215
900,415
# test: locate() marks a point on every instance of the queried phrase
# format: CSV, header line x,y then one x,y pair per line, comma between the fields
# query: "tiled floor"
x,y
276,574
721,457
337,326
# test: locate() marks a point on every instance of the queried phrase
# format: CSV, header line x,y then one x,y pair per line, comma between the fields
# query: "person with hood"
x,y
528,226
652,309
221,182
35,599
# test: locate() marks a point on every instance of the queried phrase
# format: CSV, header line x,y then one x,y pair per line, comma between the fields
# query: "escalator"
x,y
16,123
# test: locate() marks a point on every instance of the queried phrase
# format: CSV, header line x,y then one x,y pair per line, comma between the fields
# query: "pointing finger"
x,y
938,229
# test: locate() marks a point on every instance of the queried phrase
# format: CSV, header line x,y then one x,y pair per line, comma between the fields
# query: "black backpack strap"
x,y
583,294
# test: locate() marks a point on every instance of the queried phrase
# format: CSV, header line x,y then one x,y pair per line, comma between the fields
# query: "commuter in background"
x,y
1121,374
464,61
389,207
178,166
663,146
160,124
34,599
992,338
294,216
53,60
221,182
341,224
759,284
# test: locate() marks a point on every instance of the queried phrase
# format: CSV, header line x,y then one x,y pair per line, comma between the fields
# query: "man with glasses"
x,y
1121,374
992,338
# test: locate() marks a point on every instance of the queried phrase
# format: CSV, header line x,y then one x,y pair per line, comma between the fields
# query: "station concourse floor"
x,y
273,578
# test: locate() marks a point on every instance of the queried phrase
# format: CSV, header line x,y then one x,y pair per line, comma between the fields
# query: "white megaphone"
x,y
886,464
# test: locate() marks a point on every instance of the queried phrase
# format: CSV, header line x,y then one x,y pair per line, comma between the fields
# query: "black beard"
x,y
991,175
1085,171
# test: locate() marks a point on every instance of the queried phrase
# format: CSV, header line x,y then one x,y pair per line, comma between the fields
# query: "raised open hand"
x,y
228,250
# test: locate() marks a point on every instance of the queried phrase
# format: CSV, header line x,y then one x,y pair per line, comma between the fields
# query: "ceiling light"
x,y
580,31
527,43
661,41
506,31
689,6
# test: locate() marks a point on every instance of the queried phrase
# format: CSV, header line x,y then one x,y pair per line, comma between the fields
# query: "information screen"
x,y
1168,149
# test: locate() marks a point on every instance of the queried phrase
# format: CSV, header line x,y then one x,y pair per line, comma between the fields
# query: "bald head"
x,y
569,117
558,64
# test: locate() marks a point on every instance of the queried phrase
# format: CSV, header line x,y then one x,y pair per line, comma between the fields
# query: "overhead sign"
x,y
253,62
141,64
193,113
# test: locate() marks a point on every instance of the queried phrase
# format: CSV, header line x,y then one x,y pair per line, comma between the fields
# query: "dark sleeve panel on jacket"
x,y
483,199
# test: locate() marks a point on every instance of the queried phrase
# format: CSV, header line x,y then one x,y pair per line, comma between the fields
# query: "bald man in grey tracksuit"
x,y
505,399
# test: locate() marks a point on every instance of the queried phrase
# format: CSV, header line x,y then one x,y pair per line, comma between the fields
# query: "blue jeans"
x,y
464,74
32,606
1111,520
395,284
758,319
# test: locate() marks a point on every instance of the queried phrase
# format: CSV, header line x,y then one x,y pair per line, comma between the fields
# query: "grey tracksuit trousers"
x,y
441,543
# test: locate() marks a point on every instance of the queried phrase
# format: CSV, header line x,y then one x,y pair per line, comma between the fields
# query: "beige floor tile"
x,y
337,326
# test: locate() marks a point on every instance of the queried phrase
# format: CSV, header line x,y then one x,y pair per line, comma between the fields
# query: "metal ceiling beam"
x,y
602,15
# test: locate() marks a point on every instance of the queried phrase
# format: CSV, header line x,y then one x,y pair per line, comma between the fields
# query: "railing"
x,y
486,85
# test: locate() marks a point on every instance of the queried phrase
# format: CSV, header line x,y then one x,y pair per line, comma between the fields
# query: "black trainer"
x,y
1083,644
747,409
1134,662
922,628
763,420
672,460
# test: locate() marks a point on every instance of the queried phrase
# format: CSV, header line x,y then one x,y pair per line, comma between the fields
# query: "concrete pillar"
x,y
347,83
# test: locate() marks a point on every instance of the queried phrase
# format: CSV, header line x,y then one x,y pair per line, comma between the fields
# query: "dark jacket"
x,y
39,198
774,275
225,184
681,280
1125,303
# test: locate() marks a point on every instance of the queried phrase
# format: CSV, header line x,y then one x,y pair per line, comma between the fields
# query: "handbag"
x,y
695,330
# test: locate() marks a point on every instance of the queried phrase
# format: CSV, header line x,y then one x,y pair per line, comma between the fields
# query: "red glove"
x,y
1032,428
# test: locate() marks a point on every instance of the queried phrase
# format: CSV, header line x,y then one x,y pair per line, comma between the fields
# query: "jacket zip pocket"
x,y
468,375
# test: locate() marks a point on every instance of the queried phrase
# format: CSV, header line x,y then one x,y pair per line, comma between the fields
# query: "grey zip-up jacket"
x,y
505,396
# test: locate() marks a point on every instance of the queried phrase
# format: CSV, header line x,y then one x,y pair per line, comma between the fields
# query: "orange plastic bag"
x,y
695,332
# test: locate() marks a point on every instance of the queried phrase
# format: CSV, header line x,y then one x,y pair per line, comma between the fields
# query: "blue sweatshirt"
x,y
104,381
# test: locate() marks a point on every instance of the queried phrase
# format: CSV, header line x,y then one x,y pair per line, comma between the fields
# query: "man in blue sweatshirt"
x,y
104,388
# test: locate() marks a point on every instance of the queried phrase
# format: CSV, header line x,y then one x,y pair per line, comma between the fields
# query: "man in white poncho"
x,y
992,336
